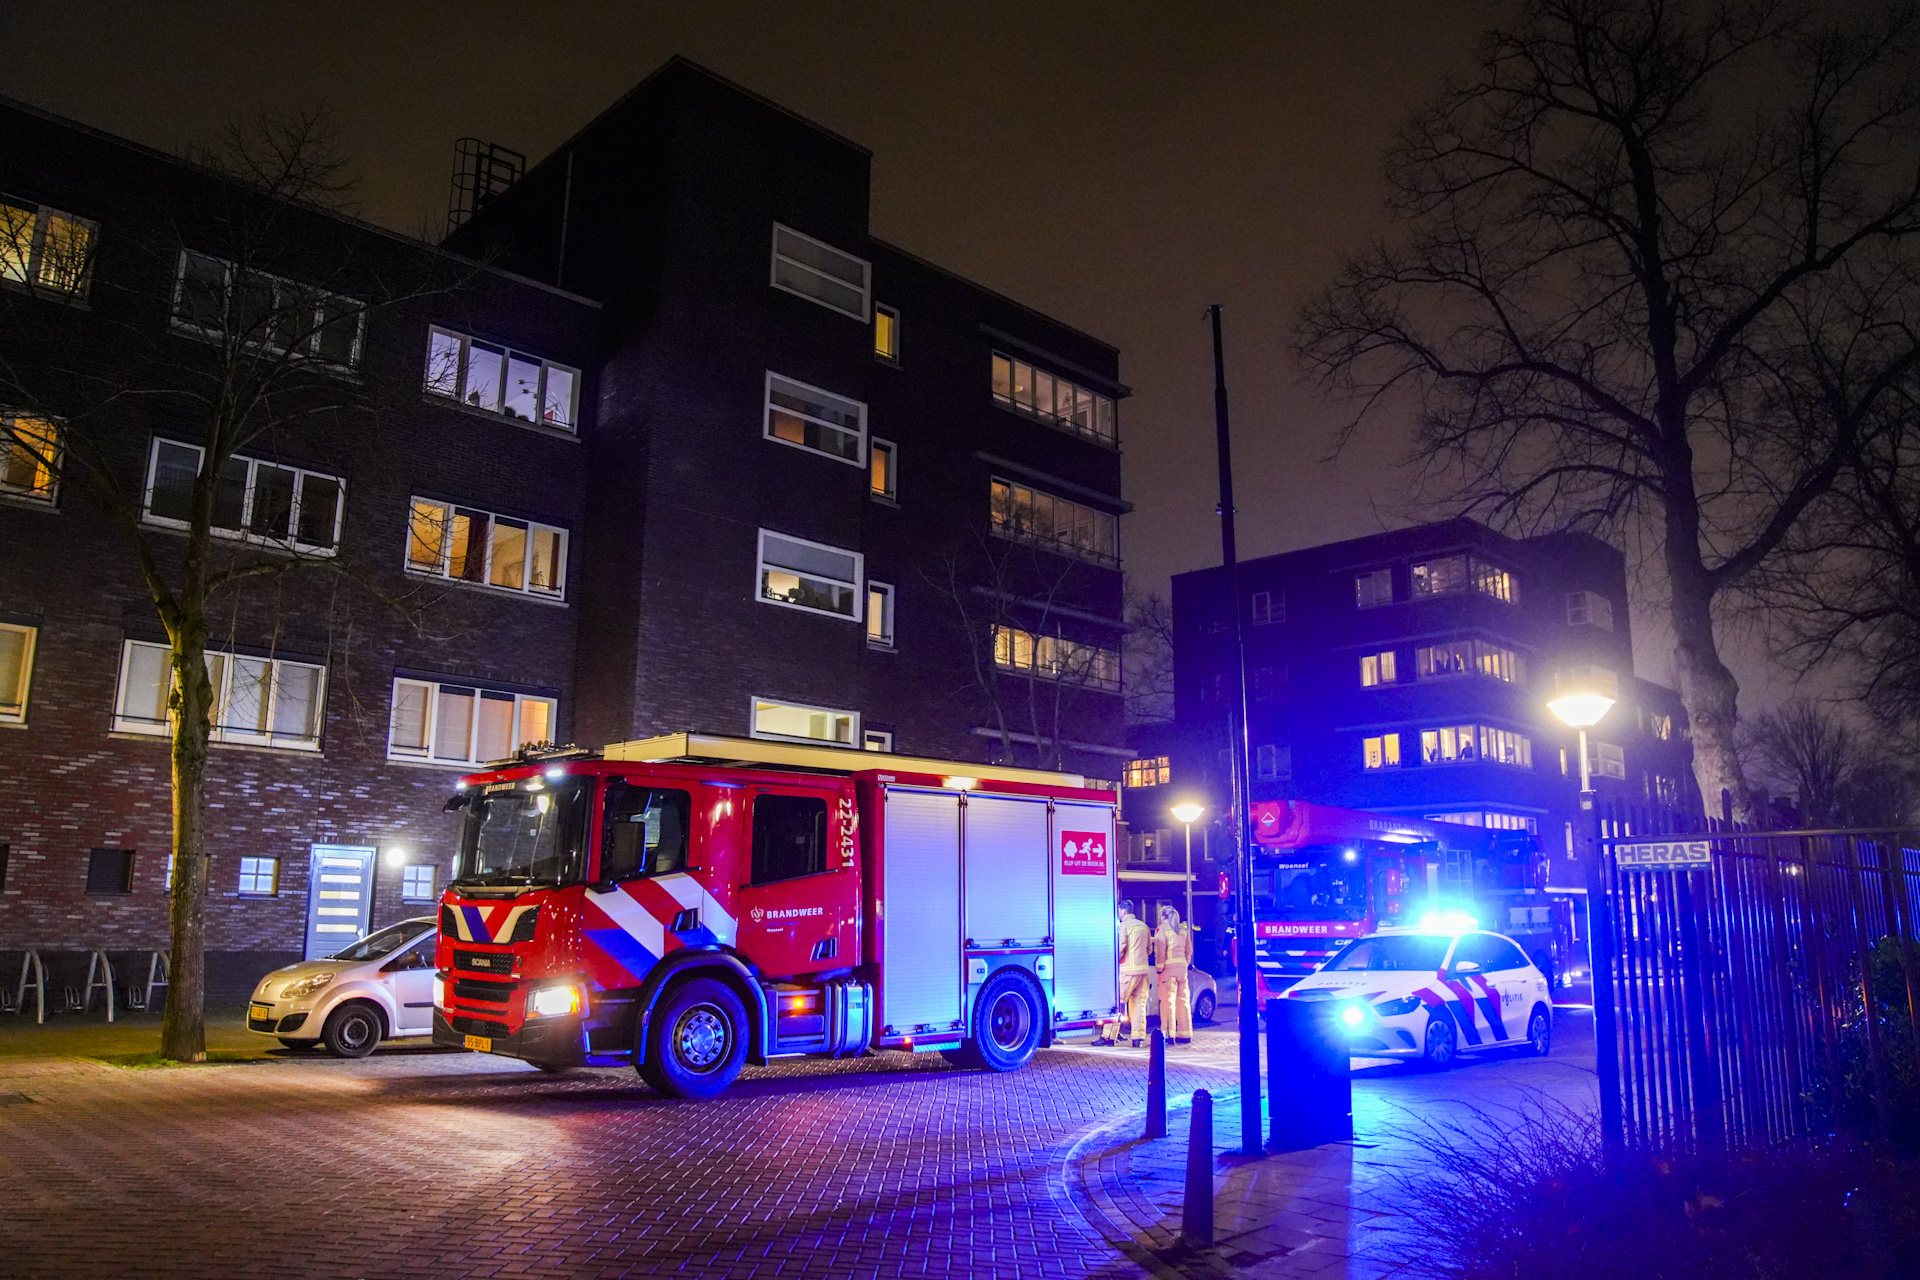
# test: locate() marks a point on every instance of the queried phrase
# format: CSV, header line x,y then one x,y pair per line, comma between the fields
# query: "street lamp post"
x,y
1187,815
1581,710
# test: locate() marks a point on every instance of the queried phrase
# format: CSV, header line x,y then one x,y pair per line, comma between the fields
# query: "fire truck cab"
x,y
692,903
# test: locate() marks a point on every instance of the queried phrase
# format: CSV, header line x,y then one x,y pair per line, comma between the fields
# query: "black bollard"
x,y
1196,1215
1157,1086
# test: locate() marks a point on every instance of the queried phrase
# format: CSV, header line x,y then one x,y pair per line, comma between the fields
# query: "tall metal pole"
x,y
1189,916
1600,967
1248,977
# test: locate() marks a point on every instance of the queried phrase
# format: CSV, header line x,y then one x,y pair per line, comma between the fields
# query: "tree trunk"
x,y
183,1031
1710,694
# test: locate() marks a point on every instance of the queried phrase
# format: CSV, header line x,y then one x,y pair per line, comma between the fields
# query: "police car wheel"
x,y
1442,1044
352,1031
697,1040
1203,1007
1540,1032
1008,1017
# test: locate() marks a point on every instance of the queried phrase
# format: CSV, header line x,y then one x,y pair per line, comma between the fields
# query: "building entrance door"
x,y
339,897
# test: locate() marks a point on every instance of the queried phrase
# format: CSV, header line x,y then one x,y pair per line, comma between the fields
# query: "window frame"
x,y
1383,668
1584,602
430,723
248,883
1382,751
1008,528
881,448
16,712
407,874
891,353
245,534
41,495
1273,752
822,853
1268,608
444,557
857,583
885,590
754,730
194,328
859,458
1101,408
33,263
876,740
123,722
865,288
1375,577
1035,642
457,396
1604,758
1148,771
124,880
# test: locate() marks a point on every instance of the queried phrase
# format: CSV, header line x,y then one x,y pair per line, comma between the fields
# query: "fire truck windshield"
x,y
515,836
1320,888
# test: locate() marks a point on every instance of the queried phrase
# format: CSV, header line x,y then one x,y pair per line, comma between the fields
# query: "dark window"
x,y
643,832
110,871
789,837
1505,955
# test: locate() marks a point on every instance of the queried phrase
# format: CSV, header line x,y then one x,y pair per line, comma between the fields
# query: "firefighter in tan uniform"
x,y
1136,961
1172,956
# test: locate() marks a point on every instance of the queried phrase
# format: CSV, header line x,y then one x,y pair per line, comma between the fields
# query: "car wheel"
x,y
352,1030
1008,1017
697,1040
1442,1043
1203,1007
1540,1032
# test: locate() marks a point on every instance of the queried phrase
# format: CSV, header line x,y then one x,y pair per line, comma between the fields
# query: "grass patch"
x,y
146,1061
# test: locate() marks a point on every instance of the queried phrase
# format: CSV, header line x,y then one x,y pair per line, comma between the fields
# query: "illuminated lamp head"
x,y
1188,813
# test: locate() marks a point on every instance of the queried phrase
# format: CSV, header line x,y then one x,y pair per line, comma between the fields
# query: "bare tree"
x,y
1633,240
275,314
1834,772
1148,649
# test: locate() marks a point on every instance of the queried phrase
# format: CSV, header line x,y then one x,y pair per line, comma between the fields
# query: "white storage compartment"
x,y
920,959
1085,938
1006,885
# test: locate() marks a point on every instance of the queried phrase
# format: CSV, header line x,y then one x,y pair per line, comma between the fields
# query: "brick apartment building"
x,y
660,438
1408,673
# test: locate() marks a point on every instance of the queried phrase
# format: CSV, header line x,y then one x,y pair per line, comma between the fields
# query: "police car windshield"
x,y
385,942
1409,952
514,836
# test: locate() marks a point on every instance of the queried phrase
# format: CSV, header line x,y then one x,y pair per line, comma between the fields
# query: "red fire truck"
x,y
1323,876
691,903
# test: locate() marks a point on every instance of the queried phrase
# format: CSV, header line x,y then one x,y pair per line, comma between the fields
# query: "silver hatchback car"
x,y
378,988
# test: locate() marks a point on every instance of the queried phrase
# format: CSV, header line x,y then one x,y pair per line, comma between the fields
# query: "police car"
x,y
1433,994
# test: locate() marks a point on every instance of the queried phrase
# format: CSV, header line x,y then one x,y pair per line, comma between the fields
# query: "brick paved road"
x,y
430,1164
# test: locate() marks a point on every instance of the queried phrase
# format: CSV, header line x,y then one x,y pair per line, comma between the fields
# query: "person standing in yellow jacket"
x,y
1136,962
1172,956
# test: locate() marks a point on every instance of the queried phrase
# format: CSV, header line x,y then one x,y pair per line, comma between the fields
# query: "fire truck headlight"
x,y
556,1002
439,992
1397,1008
1353,1016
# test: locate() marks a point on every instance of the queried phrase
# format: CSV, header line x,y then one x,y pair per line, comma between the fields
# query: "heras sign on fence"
x,y
1664,855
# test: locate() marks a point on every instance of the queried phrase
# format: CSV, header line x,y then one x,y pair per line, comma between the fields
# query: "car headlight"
x,y
305,986
439,992
556,1001
1397,1008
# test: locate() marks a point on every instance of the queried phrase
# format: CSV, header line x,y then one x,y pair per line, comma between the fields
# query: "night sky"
x,y
1117,165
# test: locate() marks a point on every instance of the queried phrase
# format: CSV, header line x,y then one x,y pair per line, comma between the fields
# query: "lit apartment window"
x,y
1033,515
478,546
883,469
1269,607
464,724
1451,745
876,740
810,418
1377,669
816,270
1054,400
795,722
1662,789
1274,762
1450,574
809,575
497,379
1605,760
1503,746
1585,609
1153,771
29,457
268,702
1269,683
16,671
1056,658
419,882
253,500
1657,725
44,248
886,333
1466,657
271,313
1373,588
1382,752
879,614
259,877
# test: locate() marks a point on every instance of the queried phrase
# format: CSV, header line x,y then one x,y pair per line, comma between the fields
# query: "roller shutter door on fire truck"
x,y
921,963
1085,940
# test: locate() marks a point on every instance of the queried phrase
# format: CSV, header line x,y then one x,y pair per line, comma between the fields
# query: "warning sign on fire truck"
x,y
1083,853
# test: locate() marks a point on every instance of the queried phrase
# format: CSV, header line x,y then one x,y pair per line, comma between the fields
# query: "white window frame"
x,y
311,340
854,739
883,622
33,262
865,288
10,444
409,875
222,695
1001,518
877,448
859,458
443,565
1102,420
1605,760
438,388
251,870
857,583
13,702
1268,608
893,316
244,534
431,726
1374,752
1377,670
1589,609
876,740
1366,586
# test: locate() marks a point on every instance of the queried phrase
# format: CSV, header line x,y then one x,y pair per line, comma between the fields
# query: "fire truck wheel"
x,y
352,1030
1007,1021
697,1040
1442,1043
1540,1031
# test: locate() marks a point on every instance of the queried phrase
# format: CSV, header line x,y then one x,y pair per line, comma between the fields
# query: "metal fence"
x,y
1766,996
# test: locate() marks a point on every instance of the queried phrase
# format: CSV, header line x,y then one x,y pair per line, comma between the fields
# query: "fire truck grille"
x,y
485,992
478,1027
499,962
523,927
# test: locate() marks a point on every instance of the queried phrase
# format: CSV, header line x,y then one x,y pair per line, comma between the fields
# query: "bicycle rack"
x,y
99,978
159,974
30,963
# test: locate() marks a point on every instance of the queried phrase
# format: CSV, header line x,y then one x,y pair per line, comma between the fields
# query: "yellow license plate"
x,y
482,1043
260,1011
